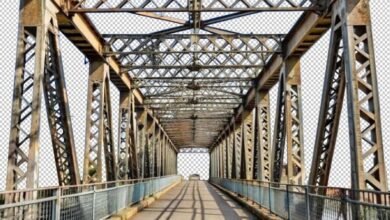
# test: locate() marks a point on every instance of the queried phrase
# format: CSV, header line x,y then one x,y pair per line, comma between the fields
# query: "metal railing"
x,y
91,201
309,202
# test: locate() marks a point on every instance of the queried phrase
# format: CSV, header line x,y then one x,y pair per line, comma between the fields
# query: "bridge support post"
x,y
238,150
367,168
163,155
230,153
39,65
248,144
141,140
262,136
157,159
125,139
99,137
330,110
288,125
351,65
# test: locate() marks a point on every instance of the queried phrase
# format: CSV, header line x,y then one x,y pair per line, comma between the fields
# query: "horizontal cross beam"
x,y
105,6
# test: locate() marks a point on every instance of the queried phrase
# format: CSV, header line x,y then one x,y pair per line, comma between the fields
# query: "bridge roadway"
x,y
192,200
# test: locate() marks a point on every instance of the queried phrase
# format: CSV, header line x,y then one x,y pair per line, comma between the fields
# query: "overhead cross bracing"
x,y
185,5
186,70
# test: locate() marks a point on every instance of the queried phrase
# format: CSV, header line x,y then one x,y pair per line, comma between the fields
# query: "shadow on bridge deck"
x,y
194,200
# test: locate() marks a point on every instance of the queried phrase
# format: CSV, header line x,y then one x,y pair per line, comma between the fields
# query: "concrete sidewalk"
x,y
194,200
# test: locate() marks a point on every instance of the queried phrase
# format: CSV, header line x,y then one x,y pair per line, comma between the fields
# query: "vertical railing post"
x,y
93,202
247,188
288,202
260,186
58,204
269,197
307,203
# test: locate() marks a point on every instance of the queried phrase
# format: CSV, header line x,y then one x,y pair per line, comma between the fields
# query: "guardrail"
x,y
309,202
91,201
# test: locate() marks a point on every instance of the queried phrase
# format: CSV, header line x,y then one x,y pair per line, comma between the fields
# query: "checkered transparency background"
x,y
76,73
193,163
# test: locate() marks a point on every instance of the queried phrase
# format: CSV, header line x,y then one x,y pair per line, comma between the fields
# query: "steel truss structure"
x,y
196,86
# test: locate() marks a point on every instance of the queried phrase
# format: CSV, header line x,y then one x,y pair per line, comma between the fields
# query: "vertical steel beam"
x,y
367,168
170,159
294,126
167,156
157,151
238,149
351,64
163,157
234,159
279,131
289,124
141,140
331,105
226,154
22,170
123,171
263,137
38,58
149,142
211,172
216,161
230,153
57,106
133,138
248,144
221,159
99,135
58,113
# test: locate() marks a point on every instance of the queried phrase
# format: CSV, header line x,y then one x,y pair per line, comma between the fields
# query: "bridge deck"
x,y
194,200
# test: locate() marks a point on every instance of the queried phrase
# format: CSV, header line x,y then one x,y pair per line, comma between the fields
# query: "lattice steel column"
x,y
226,155
152,135
220,157
216,162
99,137
331,105
149,145
289,124
211,164
279,132
157,158
168,162
123,171
230,153
39,60
170,159
263,140
163,155
238,149
294,126
368,169
351,55
133,136
141,141
248,144
234,167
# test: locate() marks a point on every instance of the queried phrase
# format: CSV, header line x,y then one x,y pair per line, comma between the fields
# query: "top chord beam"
x,y
107,6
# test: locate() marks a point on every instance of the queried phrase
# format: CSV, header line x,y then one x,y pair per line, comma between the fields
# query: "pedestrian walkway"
x,y
193,200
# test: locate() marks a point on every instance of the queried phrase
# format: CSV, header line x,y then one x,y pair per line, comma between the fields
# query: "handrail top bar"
x,y
83,185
